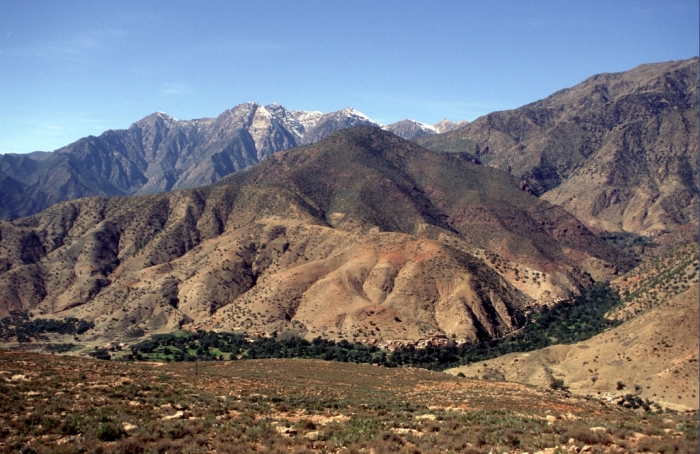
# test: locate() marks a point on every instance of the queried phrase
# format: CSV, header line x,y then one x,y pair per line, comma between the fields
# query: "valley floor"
x,y
654,355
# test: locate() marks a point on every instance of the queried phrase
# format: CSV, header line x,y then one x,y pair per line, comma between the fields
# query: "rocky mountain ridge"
x,y
618,151
161,153
411,129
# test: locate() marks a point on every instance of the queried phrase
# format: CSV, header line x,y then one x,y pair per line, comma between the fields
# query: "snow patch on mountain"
x,y
447,125
411,129
307,118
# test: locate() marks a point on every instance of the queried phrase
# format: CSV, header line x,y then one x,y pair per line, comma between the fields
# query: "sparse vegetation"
x,y
230,254
62,348
657,280
72,404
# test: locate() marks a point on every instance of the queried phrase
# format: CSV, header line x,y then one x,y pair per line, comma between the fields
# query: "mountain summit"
x,y
412,129
161,153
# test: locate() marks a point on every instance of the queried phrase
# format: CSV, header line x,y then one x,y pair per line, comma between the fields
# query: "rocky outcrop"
x,y
411,129
447,125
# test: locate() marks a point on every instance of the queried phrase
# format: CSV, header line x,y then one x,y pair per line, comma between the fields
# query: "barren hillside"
x,y
654,354
618,151
360,235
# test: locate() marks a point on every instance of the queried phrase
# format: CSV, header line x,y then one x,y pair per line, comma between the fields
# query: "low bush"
x,y
108,431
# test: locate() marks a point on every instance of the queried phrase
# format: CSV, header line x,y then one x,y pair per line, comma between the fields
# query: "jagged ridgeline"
x,y
161,153
361,235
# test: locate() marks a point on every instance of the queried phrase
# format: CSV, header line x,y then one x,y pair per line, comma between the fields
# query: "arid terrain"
x,y
653,355
619,151
561,236
360,232
69,404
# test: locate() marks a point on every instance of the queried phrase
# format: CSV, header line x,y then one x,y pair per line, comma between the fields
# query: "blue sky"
x,y
71,69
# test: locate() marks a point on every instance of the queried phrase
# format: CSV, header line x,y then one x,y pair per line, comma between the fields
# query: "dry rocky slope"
x,y
656,351
654,354
362,234
618,151
657,280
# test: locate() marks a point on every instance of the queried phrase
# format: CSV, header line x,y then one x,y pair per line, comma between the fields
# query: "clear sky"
x,y
73,68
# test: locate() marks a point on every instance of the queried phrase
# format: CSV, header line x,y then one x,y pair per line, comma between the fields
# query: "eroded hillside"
x,y
653,355
362,234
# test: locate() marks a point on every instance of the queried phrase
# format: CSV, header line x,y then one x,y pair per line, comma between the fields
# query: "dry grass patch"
x,y
70,404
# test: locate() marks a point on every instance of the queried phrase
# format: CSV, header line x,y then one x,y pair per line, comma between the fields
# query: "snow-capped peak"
x,y
423,125
307,118
349,111
167,117
286,119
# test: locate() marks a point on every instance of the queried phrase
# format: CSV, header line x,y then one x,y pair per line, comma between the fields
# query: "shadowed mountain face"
x,y
160,153
619,151
32,182
362,234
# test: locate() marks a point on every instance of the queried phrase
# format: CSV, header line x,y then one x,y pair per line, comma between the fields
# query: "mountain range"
x,y
332,225
161,153
619,151
362,234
